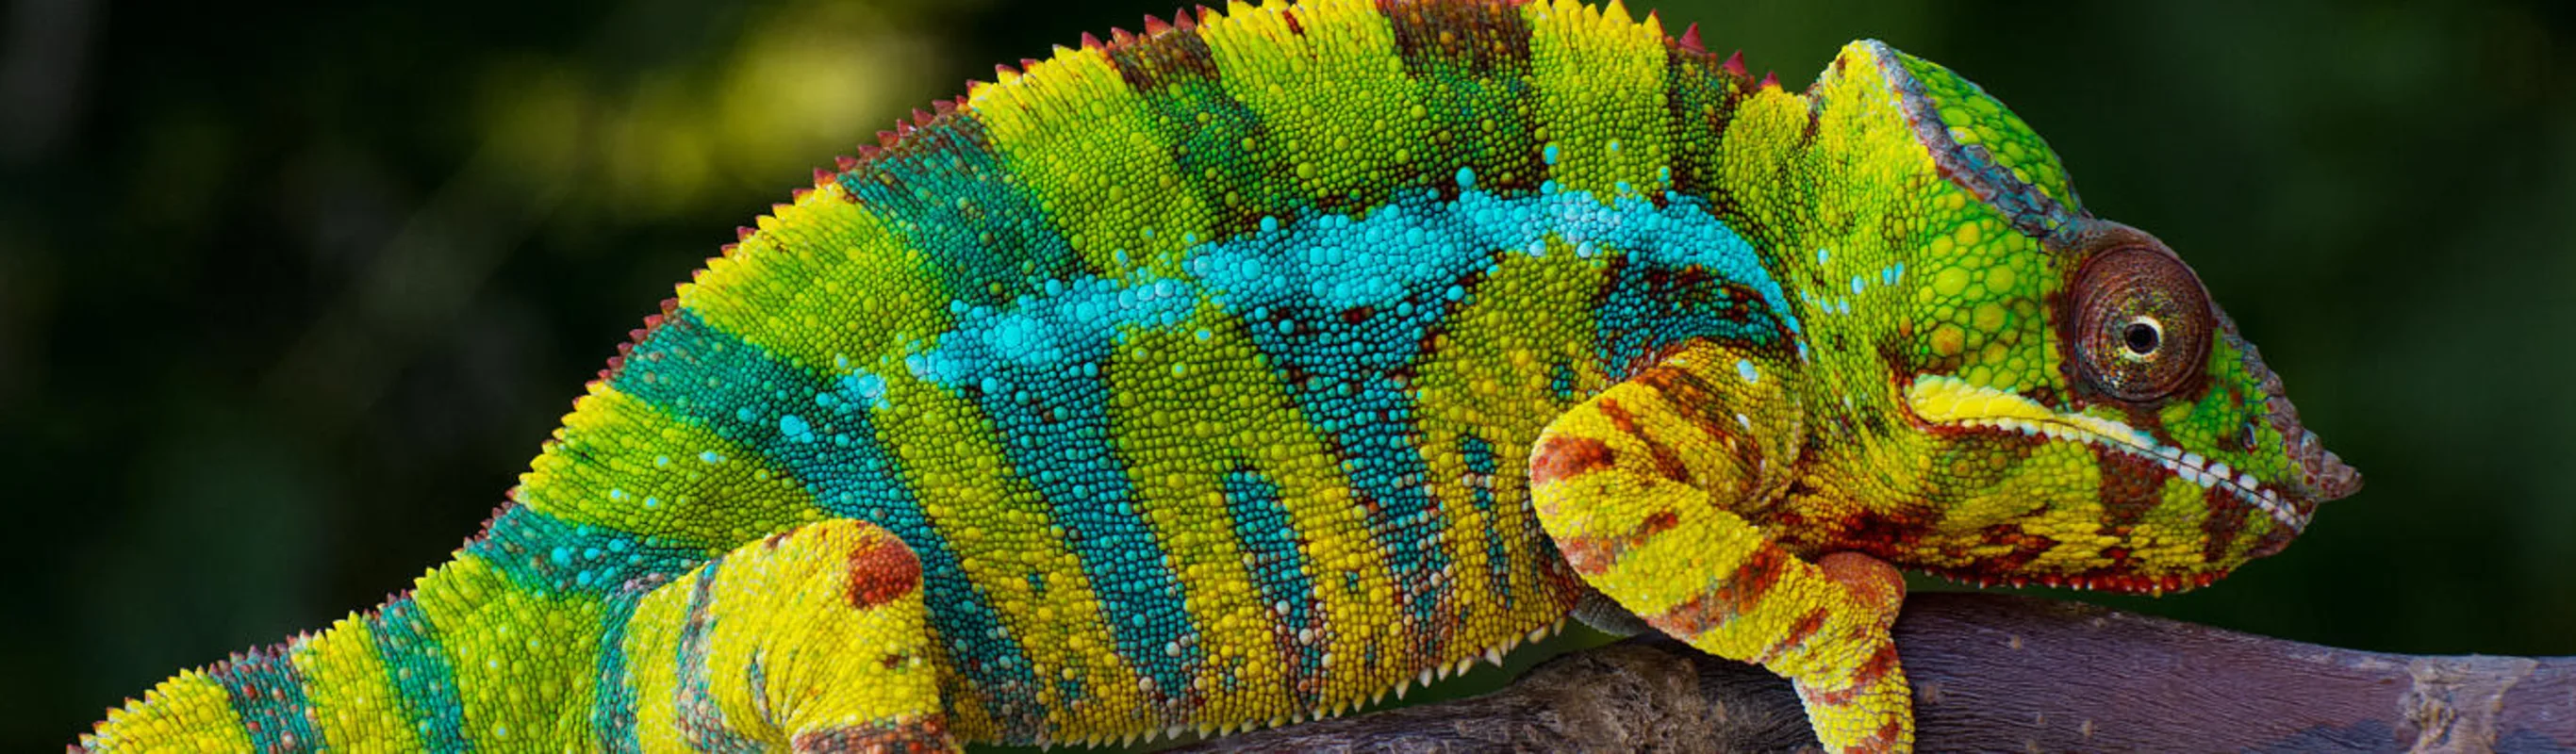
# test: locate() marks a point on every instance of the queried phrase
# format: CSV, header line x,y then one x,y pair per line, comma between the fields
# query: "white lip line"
x,y
2260,497
2189,466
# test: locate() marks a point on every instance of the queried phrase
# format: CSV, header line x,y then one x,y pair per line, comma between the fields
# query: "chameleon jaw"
x,y
1950,401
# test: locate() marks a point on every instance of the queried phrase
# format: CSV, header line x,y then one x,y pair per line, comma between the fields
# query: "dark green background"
x,y
289,294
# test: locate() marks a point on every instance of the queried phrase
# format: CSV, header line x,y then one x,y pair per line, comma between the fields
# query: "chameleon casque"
x,y
1244,370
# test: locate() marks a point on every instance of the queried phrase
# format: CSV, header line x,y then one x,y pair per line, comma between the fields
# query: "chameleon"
x,y
1244,370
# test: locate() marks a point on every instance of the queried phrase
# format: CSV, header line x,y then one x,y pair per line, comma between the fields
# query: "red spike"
x,y
1003,71
743,232
961,101
1690,39
822,176
1207,14
870,151
920,117
1735,65
1026,63
1154,25
1090,42
887,138
846,162
943,107
1770,80
1183,20
1120,36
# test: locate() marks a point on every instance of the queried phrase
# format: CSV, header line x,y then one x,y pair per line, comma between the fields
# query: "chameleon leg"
x,y
813,639
1646,489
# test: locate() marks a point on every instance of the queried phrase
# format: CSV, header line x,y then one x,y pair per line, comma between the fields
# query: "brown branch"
x,y
2004,673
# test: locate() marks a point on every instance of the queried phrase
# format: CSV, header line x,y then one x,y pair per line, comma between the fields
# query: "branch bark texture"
x,y
2004,673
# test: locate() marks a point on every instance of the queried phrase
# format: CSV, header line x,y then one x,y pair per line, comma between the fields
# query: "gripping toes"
x,y
1644,489
813,640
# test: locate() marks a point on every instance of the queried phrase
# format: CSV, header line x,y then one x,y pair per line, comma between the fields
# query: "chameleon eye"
x,y
2141,323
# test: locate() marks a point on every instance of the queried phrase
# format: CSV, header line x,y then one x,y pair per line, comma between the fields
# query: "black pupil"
x,y
2140,337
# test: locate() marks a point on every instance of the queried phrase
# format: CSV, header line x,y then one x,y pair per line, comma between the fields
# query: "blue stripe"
x,y
268,700
612,701
1035,370
1261,523
548,556
819,432
422,680
1479,456
948,195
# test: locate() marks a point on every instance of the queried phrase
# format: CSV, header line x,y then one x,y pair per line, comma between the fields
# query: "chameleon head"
x,y
2092,417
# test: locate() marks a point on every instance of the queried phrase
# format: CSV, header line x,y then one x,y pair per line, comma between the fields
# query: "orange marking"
x,y
1743,589
881,570
1560,457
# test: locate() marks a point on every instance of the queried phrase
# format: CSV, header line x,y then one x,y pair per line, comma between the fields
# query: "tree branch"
x,y
1997,673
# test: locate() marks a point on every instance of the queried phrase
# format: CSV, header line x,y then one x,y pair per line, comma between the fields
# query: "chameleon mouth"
x,y
1950,401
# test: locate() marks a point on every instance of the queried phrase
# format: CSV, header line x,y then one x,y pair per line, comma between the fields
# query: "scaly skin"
x,y
1245,370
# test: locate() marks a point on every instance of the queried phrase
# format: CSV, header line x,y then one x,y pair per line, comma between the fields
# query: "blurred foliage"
x,y
290,292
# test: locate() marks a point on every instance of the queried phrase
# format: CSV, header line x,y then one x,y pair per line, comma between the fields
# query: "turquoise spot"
x,y
794,428
1466,178
1548,153
710,457
1744,369
1858,283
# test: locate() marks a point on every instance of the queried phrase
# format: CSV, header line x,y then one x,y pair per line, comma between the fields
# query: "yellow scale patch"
x,y
1083,143
525,663
1493,382
1002,530
1600,82
354,700
189,712
1180,445
823,284
622,464
1340,108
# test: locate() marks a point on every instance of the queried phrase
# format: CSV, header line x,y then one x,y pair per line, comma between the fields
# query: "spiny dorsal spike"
x,y
1770,79
1090,42
1154,25
743,232
1120,36
1690,39
887,138
943,106
920,117
846,162
1735,65
822,176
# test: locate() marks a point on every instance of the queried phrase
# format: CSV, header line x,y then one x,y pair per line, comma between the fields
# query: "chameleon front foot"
x,y
1643,487
812,640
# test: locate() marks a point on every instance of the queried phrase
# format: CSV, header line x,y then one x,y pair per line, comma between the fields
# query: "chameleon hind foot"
x,y
813,640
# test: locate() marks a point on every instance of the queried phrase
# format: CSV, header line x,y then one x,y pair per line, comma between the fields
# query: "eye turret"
x,y
2140,321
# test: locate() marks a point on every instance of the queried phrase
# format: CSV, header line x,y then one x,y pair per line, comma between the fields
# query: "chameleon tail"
x,y
811,640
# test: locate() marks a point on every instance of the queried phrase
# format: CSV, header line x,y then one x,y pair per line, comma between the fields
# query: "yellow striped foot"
x,y
812,640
